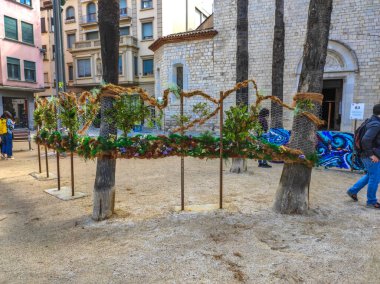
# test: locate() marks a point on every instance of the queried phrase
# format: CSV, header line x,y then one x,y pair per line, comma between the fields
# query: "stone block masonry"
x,y
210,64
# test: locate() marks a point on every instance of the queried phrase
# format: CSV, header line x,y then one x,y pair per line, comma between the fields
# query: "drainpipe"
x,y
187,15
60,80
58,42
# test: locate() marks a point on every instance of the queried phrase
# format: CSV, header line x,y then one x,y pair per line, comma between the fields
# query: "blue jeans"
x,y
8,145
372,178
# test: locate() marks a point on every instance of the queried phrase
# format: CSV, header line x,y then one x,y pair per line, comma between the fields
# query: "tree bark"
x,y
104,191
238,165
292,191
242,54
242,58
278,65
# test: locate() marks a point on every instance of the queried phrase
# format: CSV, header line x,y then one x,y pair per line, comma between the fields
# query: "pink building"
x,y
21,69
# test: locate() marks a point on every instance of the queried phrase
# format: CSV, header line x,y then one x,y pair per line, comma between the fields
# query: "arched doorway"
x,y
338,85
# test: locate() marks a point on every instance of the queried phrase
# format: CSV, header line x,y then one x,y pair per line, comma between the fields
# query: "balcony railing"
x,y
88,44
123,12
89,18
93,17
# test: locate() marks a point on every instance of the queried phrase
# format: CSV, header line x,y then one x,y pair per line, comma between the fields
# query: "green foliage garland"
x,y
153,147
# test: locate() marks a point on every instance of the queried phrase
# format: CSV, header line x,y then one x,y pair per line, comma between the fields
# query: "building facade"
x,y
20,59
141,22
209,63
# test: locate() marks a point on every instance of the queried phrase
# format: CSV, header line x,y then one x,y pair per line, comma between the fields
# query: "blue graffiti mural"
x,y
334,148
278,136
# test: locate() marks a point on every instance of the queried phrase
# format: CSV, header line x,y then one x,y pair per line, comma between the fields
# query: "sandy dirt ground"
x,y
46,240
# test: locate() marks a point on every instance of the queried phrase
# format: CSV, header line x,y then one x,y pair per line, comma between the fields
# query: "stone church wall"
x,y
196,58
354,52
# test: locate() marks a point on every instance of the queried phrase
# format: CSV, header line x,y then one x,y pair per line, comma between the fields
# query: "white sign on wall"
x,y
357,111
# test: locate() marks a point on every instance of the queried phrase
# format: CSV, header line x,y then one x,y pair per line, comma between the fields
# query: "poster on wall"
x,y
357,111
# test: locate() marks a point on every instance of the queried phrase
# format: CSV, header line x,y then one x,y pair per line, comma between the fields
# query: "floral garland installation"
x,y
86,107
154,147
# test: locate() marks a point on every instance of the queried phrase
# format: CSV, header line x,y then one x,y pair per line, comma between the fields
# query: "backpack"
x,y
3,126
11,126
358,136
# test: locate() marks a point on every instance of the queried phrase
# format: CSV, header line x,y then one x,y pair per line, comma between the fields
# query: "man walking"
x,y
370,154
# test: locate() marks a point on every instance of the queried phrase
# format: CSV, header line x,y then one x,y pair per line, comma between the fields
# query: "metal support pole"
x,y
187,16
39,152
58,42
221,151
59,54
59,67
57,154
182,163
72,173
39,158
47,162
58,172
352,156
329,117
308,194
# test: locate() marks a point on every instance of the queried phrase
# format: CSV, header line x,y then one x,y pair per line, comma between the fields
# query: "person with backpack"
x,y
367,145
8,145
3,132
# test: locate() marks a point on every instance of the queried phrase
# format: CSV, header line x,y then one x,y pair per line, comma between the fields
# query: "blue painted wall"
x,y
334,148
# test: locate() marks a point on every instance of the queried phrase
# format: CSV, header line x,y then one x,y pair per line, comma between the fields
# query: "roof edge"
x,y
181,37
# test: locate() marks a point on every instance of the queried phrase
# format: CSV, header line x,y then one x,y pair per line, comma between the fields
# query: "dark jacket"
x,y
264,124
371,140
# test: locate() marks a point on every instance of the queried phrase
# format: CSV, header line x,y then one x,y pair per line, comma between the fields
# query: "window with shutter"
x,y
71,72
30,71
27,33
124,31
70,13
123,8
10,26
44,47
147,31
52,24
46,79
120,64
84,68
26,2
13,68
146,4
43,25
70,40
136,66
148,67
179,71
92,35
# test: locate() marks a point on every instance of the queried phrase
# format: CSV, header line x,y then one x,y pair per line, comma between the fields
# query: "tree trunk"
x,y
238,165
242,54
291,193
242,57
278,65
104,191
